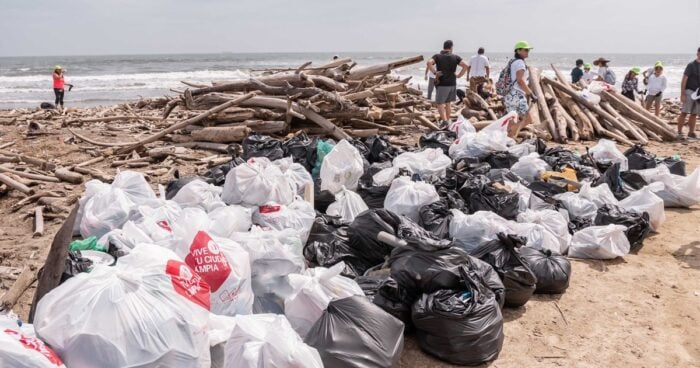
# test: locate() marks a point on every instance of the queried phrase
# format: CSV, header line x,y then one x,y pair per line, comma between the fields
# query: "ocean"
x,y
105,80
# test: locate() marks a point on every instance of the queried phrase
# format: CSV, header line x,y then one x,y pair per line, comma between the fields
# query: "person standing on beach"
x,y
430,77
656,85
478,70
630,84
444,65
516,99
647,73
690,86
577,73
588,75
605,74
58,85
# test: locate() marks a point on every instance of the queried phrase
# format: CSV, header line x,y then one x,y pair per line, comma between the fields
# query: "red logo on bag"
x,y
206,260
268,209
36,345
165,225
188,284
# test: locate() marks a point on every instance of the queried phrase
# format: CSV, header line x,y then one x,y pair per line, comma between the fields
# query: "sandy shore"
x,y
640,311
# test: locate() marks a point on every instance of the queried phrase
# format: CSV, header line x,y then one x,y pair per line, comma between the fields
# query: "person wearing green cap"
x,y
588,75
516,99
650,71
656,85
630,84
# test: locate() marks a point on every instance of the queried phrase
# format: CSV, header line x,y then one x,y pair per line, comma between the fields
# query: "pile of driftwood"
x,y
566,115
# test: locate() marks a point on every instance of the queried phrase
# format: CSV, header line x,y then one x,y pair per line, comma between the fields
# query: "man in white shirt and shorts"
x,y
478,69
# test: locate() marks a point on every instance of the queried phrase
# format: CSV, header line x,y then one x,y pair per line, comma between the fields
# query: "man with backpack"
x,y
690,97
444,66
605,74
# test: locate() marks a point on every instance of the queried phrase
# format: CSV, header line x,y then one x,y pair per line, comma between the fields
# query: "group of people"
x,y
513,84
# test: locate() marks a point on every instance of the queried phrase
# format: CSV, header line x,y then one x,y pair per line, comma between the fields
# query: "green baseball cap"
x,y
636,70
522,45
659,64
586,66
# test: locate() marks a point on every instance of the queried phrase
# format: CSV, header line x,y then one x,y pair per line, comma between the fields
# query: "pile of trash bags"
x,y
310,252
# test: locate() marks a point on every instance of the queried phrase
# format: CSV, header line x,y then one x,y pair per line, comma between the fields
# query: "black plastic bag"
x,y
552,269
328,244
302,149
501,160
676,167
547,188
353,332
322,198
373,195
462,326
380,150
217,174
639,159
578,223
385,293
633,180
612,178
539,143
502,254
175,185
479,195
442,139
361,147
435,217
637,224
75,263
257,145
558,157
501,175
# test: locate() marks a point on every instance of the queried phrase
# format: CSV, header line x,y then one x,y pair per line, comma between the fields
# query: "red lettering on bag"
x,y
269,209
188,283
206,259
35,344
165,225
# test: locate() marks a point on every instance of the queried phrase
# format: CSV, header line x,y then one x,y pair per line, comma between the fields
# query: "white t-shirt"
x,y
601,71
588,77
656,84
477,65
518,64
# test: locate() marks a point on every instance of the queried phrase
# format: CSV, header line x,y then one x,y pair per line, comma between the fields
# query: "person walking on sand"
x,y
588,75
430,77
576,72
58,85
690,97
444,65
516,99
656,85
630,84
478,70
605,74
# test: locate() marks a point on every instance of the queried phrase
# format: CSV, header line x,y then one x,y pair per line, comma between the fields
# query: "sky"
x,y
102,27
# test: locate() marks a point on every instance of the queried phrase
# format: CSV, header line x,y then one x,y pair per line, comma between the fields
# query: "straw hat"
x,y
600,60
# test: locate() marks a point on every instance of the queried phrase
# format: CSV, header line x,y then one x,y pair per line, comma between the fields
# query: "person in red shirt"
x,y
58,85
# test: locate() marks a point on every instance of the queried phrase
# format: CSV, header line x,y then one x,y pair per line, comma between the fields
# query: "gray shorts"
x,y
445,94
690,107
652,98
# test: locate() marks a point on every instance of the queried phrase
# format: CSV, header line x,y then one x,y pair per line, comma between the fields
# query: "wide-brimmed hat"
x,y
600,60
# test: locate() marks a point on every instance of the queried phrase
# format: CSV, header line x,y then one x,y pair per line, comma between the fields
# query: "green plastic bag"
x,y
87,244
322,149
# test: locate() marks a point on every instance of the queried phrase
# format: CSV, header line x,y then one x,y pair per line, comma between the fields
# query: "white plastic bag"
x,y
299,215
343,166
600,242
428,163
462,126
494,137
577,205
469,231
135,187
197,193
313,290
257,182
406,197
222,263
268,341
347,205
537,236
227,220
645,200
606,151
92,187
600,195
679,191
385,176
132,317
524,194
296,173
553,221
105,211
18,349
522,149
530,167
589,96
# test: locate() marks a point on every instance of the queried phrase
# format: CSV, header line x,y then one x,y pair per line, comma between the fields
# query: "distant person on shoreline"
x,y
478,70
605,74
58,85
518,89
588,75
444,65
576,72
630,84
690,97
430,77
656,85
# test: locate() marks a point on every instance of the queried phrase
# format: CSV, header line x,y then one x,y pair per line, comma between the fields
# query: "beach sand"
x,y
640,311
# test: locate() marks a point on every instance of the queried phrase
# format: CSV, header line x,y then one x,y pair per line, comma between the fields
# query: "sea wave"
x,y
196,75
